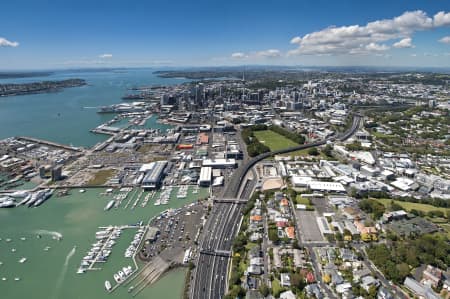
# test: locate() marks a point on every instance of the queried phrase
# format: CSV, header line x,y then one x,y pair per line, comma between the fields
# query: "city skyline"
x,y
46,35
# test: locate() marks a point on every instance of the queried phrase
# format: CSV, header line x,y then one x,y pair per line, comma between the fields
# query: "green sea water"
x,y
68,115
52,273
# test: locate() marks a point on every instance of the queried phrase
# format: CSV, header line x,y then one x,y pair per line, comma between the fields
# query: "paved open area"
x,y
309,229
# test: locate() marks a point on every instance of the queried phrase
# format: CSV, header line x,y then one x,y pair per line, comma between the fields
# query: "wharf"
x,y
50,143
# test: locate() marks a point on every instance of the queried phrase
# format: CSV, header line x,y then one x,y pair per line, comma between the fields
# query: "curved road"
x,y
210,274
239,175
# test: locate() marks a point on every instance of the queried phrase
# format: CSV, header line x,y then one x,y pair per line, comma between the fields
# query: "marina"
x,y
51,233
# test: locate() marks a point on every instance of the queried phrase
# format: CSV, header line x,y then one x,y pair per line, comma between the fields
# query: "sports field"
x,y
273,140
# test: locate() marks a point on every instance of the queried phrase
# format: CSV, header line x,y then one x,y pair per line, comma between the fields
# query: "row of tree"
x,y
254,147
296,137
398,259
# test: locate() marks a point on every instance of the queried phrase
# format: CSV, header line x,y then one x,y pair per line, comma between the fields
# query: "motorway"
x,y
210,273
239,175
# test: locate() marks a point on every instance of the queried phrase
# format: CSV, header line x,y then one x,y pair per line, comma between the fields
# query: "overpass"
x,y
210,276
230,200
239,175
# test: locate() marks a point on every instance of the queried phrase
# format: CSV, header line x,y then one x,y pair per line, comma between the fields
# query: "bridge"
x,y
217,252
210,275
230,200
238,177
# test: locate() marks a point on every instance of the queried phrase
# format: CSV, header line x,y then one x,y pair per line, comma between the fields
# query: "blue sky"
x,y
63,34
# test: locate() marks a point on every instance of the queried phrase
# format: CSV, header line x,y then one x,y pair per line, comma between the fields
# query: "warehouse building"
x,y
154,175
205,176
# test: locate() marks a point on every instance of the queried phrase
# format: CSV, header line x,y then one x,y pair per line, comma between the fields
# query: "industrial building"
x,y
220,163
205,176
154,173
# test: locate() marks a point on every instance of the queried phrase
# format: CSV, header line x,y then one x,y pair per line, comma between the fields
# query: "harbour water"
x,y
51,273
68,115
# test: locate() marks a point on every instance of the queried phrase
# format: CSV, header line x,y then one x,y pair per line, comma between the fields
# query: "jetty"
x,y
50,143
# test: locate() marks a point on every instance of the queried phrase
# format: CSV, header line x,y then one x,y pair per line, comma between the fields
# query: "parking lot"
x,y
177,233
309,229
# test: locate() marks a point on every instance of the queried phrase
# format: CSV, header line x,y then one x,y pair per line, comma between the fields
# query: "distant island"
x,y
14,75
14,89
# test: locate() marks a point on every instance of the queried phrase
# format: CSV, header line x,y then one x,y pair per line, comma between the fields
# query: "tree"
x,y
328,150
297,281
313,151
373,207
264,290
395,206
403,270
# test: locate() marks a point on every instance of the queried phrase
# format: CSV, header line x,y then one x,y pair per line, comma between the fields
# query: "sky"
x,y
38,34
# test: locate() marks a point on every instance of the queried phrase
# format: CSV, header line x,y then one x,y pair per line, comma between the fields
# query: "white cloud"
x,y
238,55
404,43
364,39
271,53
6,43
296,40
442,19
105,56
373,47
445,40
265,54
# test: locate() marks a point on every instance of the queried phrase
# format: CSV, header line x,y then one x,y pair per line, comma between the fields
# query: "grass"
x,y
446,227
101,177
276,287
273,140
304,153
302,201
381,135
408,206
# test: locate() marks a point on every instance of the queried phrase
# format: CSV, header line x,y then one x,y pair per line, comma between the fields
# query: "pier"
x,y
50,143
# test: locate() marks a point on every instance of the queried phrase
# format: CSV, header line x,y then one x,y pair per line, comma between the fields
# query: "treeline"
x,y
240,252
371,206
396,260
435,202
297,138
254,147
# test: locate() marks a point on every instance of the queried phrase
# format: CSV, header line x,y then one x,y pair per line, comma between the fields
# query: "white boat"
x,y
117,278
25,200
17,278
4,278
23,260
109,205
45,195
19,194
82,190
127,270
8,204
121,274
81,270
107,285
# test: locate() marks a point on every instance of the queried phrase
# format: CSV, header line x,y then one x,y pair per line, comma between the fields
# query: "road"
x,y
238,177
210,274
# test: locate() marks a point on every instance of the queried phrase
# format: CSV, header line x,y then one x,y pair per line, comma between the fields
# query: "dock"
x,y
50,143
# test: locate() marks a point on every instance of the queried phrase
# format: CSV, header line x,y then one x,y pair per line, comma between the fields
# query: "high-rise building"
x,y
57,173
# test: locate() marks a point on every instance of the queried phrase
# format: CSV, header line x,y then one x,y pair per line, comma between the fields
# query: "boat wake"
x,y
49,233
63,273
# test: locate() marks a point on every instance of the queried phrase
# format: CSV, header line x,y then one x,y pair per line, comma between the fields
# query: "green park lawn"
x,y
273,140
408,206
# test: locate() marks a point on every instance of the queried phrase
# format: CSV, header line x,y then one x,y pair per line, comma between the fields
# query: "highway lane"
x,y
225,219
211,273
239,175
